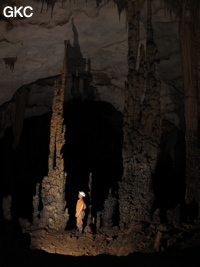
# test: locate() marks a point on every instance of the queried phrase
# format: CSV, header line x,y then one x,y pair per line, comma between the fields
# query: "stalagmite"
x,y
89,219
54,213
6,206
109,210
36,200
158,240
98,220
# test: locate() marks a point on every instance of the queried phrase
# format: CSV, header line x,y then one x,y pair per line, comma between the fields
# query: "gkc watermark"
x,y
13,12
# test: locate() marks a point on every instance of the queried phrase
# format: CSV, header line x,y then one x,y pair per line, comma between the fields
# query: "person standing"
x,y
80,212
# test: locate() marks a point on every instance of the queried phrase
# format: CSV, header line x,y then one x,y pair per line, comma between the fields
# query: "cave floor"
x,y
110,242
132,247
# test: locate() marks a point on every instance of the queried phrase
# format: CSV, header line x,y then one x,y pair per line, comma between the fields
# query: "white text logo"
x,y
14,11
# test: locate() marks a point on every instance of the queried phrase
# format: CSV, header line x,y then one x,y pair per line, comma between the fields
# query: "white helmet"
x,y
82,193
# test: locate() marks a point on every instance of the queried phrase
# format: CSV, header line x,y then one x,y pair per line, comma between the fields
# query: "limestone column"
x,y
142,123
190,39
54,213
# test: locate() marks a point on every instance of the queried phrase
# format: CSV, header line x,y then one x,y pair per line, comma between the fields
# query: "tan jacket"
x,y
80,205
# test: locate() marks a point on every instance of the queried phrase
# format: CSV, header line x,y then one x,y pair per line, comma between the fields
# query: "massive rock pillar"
x,y
190,39
142,124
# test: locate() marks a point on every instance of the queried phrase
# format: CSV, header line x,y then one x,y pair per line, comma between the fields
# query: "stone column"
x,y
142,123
190,39
54,213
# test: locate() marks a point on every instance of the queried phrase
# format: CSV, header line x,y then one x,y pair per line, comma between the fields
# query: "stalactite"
x,y
19,106
121,4
10,61
49,3
173,6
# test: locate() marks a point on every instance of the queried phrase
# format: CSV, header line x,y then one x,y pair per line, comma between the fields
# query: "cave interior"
x,y
139,170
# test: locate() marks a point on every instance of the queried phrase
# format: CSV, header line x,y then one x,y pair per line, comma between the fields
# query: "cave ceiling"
x,y
32,49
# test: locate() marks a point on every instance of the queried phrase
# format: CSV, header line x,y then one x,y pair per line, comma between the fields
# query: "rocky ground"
x,y
142,245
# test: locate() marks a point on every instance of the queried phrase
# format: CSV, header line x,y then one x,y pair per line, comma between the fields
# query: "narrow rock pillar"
x,y
6,206
54,213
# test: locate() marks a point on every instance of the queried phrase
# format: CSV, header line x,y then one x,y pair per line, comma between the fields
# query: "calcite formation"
x,y
54,213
